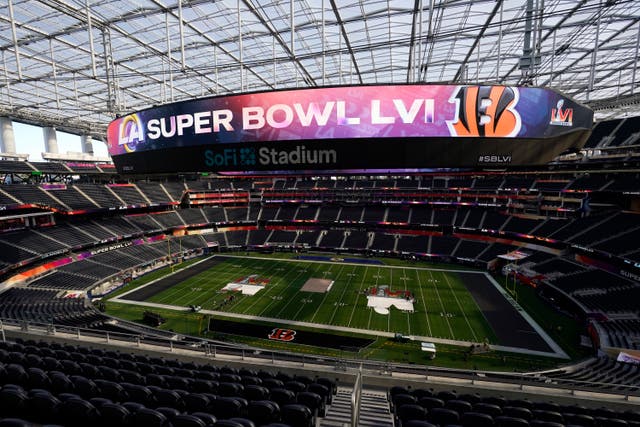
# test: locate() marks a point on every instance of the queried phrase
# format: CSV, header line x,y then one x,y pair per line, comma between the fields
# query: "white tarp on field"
x,y
381,305
243,288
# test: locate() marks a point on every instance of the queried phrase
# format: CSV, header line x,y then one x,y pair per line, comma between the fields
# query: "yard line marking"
x,y
300,272
272,286
424,302
435,286
364,276
325,296
403,279
446,279
389,315
350,277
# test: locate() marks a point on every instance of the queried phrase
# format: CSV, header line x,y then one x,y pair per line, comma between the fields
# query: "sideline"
x,y
334,327
550,342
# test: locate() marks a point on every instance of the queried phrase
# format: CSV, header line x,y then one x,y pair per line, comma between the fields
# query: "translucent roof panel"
x,y
77,64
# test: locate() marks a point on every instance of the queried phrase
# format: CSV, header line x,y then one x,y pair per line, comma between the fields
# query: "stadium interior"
x,y
74,229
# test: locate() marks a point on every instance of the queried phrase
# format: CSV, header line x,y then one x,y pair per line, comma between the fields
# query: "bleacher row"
x,y
69,385
612,233
422,407
85,196
56,384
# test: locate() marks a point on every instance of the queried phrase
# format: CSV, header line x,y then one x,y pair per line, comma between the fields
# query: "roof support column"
x,y
91,47
240,45
87,144
635,66
499,44
55,73
323,46
15,39
183,62
168,35
275,62
594,55
7,139
112,102
419,55
50,140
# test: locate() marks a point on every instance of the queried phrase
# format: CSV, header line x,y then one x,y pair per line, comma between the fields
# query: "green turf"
x,y
443,307
383,349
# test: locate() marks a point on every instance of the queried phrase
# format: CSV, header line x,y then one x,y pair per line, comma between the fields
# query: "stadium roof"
x,y
76,64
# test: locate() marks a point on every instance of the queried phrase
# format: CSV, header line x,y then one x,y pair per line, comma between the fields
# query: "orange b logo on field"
x,y
485,111
279,334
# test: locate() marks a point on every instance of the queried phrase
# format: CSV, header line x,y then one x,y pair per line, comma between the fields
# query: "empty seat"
x,y
169,398
583,420
84,386
78,412
504,421
543,415
487,408
295,386
256,392
185,420
443,416
43,407
517,412
196,402
402,399
230,389
206,417
460,406
296,415
263,411
149,418
15,374
244,422
321,390
476,419
410,411
37,378
228,423
139,393
312,401
168,412
430,402
418,423
13,401
226,407
282,397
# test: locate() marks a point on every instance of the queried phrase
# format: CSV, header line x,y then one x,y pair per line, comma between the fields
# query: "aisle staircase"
x,y
374,409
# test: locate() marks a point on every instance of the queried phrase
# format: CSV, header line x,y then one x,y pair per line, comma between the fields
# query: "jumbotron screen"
x,y
382,128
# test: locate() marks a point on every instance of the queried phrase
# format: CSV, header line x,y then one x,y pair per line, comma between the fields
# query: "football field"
x,y
442,307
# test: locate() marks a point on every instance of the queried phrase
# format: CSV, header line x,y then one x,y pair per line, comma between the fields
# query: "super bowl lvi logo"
x,y
485,111
561,116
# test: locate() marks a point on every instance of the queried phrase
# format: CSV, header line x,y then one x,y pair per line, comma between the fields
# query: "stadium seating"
x,y
422,407
75,385
457,216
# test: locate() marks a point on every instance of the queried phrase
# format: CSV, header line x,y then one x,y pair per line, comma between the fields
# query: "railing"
x,y
355,399
362,370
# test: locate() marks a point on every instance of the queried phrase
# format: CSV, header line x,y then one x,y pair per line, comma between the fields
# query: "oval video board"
x,y
390,127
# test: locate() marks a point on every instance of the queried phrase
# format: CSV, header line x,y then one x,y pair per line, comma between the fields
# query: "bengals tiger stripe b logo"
x,y
280,334
485,111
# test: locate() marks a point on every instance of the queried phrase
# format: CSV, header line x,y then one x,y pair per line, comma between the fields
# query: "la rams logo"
x,y
279,334
485,111
131,132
